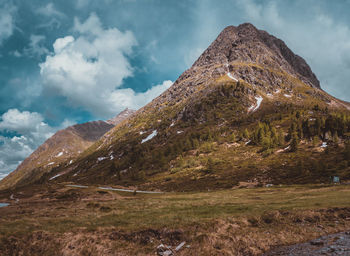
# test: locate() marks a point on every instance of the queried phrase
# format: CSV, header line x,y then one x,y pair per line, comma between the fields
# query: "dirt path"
x,y
119,189
335,244
130,190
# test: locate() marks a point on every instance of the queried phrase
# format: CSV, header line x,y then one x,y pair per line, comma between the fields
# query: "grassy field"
x,y
220,222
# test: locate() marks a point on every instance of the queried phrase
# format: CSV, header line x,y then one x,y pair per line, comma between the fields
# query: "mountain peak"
x,y
247,44
121,116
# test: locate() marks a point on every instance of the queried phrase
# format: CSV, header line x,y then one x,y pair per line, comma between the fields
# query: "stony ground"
x,y
335,244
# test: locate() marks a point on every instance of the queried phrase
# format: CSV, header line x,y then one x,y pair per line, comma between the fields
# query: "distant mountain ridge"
x,y
62,149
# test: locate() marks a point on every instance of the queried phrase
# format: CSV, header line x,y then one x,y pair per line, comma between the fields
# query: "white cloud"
x,y
17,54
127,98
36,47
51,16
49,10
89,70
82,3
62,43
22,122
7,23
32,132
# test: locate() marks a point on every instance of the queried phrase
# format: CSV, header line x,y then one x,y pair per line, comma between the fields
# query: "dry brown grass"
x,y
228,222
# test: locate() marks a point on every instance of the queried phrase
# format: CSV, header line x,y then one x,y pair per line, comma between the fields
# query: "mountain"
x,y
126,113
61,149
248,111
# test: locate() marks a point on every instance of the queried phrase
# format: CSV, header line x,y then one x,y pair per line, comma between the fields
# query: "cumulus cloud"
x,y
89,69
22,122
127,98
7,23
31,131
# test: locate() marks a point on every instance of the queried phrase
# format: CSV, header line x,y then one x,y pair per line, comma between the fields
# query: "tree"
x,y
318,126
246,134
300,167
266,143
112,168
295,142
347,151
335,137
141,175
210,165
195,143
232,137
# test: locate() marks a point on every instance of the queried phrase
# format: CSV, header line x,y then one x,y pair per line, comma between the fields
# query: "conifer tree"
x,y
294,143
246,134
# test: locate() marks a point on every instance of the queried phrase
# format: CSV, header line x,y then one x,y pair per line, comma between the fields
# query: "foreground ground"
x,y
89,221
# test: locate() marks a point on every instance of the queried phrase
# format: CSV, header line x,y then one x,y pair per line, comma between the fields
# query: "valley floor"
x,y
90,221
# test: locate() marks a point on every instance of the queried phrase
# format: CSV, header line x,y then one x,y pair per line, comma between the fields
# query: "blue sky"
x,y
65,62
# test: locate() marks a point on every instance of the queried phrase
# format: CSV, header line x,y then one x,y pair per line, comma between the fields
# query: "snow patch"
x,y
172,124
59,154
54,177
154,133
254,108
142,132
287,95
179,132
247,142
324,145
111,157
71,161
50,163
77,186
232,77
101,158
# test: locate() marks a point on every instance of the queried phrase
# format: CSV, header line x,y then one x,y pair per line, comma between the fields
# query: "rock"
x,y
164,250
317,242
178,248
167,253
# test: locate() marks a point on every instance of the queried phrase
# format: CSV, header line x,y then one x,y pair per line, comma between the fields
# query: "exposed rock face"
x,y
250,55
246,43
91,131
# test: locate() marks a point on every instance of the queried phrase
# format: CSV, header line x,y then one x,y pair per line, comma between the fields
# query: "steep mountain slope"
x,y
248,110
61,149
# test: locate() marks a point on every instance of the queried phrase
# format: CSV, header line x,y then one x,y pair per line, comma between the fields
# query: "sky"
x,y
71,61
